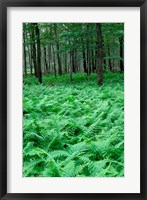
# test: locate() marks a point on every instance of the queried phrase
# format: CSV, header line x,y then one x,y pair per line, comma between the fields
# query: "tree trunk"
x,y
34,51
84,57
93,63
70,65
84,61
73,61
100,55
24,54
121,54
96,53
30,58
39,72
45,61
49,59
88,54
54,61
109,61
58,49
65,61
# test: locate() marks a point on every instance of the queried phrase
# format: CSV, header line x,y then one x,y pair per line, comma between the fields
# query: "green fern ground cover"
x,y
73,129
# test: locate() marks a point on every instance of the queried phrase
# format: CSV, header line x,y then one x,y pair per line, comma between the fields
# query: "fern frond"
x,y
51,169
95,167
57,154
69,169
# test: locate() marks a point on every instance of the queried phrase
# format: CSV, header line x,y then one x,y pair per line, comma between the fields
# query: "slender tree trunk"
x,y
84,61
65,61
88,54
73,61
96,53
104,54
54,60
84,57
30,58
58,49
34,52
104,64
45,60
100,55
113,68
90,58
24,54
121,54
93,63
70,65
104,61
39,72
49,59
88,67
109,61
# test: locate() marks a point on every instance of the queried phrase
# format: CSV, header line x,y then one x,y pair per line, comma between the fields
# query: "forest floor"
x,y
73,129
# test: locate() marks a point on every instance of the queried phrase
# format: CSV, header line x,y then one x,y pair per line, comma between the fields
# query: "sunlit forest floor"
x,y
73,129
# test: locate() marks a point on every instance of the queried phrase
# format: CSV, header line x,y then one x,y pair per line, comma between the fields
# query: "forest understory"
x,y
73,129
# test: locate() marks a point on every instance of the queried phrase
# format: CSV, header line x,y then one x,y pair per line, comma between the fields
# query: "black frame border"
x,y
4,4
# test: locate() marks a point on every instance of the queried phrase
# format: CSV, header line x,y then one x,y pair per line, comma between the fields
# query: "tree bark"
x,y
88,54
49,59
54,60
121,54
70,65
84,57
39,72
65,61
84,61
58,49
45,61
109,61
96,53
73,61
30,58
100,55
93,63
24,54
34,51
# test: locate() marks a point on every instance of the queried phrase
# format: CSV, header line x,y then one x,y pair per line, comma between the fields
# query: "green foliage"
x,y
73,129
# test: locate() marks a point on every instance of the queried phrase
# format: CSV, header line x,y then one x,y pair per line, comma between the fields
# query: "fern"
x,y
51,169
73,129
69,169
59,154
95,168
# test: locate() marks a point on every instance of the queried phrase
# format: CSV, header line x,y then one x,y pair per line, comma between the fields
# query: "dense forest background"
x,y
67,48
73,99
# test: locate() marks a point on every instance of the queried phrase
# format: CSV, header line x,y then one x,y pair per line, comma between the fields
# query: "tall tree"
x,y
33,45
39,71
49,58
58,49
121,54
54,60
45,61
109,60
100,54
30,58
24,53
88,52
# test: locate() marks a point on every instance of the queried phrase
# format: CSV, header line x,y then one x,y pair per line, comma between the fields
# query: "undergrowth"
x,y
73,129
